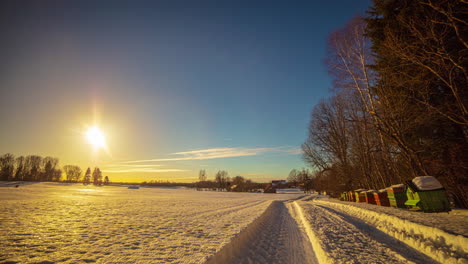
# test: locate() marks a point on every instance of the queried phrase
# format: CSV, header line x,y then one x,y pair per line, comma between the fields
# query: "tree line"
x,y
37,168
222,182
400,100
304,179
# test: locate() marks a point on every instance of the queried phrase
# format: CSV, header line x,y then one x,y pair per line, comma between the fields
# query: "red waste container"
x,y
381,198
370,199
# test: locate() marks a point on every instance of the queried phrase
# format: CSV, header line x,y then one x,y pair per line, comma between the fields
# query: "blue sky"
x,y
228,83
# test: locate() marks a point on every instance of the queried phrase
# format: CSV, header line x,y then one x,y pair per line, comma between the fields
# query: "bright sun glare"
x,y
95,137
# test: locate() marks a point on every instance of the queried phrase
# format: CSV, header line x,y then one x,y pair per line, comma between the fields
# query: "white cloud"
x,y
217,153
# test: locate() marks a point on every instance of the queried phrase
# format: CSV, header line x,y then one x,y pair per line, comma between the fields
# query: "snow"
x,y
441,236
72,223
427,183
274,237
340,241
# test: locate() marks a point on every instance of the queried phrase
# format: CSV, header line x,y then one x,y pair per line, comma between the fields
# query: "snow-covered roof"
x,y
427,183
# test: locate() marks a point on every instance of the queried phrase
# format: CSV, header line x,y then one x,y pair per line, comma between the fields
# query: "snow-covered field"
x,y
76,223
72,223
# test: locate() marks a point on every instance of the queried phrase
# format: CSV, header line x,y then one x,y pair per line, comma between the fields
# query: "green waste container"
x,y
425,193
360,195
397,195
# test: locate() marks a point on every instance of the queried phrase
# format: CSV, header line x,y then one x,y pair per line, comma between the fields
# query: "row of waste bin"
x,y
424,193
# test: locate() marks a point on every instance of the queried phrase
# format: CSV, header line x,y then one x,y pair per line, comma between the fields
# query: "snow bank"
x,y
236,245
323,256
439,245
336,239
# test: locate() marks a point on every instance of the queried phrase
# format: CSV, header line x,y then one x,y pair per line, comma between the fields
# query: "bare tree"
x,y
33,167
202,175
7,167
292,178
421,59
49,166
72,172
20,171
221,179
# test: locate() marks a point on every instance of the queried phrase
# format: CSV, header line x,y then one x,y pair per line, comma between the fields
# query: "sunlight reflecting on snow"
x,y
75,223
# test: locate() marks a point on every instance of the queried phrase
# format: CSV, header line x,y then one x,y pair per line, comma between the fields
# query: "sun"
x,y
96,137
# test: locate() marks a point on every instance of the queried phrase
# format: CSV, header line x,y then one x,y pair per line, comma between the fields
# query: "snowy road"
x,y
275,237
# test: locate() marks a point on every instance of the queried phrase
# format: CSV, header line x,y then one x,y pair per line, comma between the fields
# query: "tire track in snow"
x,y
336,240
274,237
228,209
429,240
407,252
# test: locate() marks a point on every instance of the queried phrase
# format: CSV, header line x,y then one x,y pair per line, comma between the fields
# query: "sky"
x,y
175,86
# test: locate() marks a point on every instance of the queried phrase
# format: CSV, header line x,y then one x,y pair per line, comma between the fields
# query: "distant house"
x,y
279,184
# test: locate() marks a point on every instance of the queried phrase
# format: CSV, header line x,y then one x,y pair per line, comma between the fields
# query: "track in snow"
x,y
347,239
275,237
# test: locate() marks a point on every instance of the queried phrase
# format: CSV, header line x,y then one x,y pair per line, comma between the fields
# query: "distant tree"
x,y
33,168
57,175
7,167
106,180
97,176
305,180
49,166
20,168
72,172
239,183
87,177
221,179
292,178
202,175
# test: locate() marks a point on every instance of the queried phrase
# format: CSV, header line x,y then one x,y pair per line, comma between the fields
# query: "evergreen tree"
x,y
97,176
87,177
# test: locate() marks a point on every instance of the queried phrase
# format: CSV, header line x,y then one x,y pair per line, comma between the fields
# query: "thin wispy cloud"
x,y
142,170
218,153
125,168
132,165
292,151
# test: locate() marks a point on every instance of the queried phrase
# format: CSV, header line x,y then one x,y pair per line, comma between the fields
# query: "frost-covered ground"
x,y
76,223
60,223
